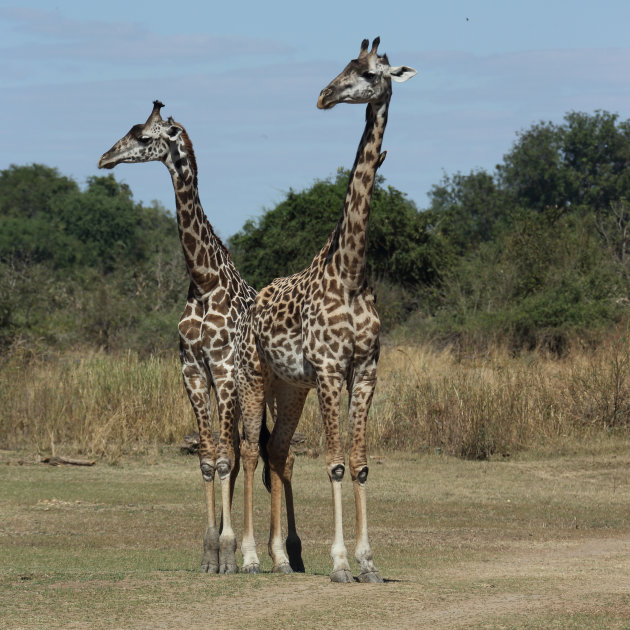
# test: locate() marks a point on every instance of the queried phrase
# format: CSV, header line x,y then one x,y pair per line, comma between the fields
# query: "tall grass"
x,y
468,406
93,403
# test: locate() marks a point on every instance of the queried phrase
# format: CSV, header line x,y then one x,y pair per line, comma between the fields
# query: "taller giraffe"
x,y
217,297
319,328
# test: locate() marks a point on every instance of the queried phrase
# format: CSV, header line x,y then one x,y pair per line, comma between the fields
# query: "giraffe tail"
x,y
263,439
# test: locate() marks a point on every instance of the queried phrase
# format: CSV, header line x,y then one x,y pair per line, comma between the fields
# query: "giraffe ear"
x,y
401,73
173,131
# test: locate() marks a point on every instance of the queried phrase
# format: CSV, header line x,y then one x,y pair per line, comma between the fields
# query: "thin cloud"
x,y
112,42
517,75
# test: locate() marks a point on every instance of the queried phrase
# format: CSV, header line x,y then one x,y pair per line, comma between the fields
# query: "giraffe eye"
x,y
368,76
144,139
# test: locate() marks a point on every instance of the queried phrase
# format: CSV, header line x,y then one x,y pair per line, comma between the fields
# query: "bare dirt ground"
x,y
536,543
578,584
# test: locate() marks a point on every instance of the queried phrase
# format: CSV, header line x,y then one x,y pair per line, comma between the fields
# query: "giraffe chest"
x,y
208,326
280,344
317,335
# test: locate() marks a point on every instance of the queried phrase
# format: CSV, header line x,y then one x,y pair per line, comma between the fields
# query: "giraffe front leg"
x,y
338,552
228,464
249,455
197,387
361,398
328,393
227,538
363,551
210,559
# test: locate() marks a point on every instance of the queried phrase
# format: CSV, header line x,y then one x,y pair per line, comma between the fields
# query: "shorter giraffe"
x,y
217,297
319,328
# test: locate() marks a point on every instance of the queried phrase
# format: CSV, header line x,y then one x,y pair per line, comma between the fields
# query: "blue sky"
x,y
243,78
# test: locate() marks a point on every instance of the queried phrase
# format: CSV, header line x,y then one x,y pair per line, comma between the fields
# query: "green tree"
x,y
285,240
468,209
578,166
29,191
93,252
541,282
103,219
29,197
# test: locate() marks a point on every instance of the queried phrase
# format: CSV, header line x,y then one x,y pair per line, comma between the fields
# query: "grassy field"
x,y
530,541
465,404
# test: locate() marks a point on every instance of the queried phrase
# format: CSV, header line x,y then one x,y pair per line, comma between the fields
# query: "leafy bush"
x,y
86,266
285,240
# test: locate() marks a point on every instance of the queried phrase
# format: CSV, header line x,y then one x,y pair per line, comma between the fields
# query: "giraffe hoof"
x,y
209,567
370,577
343,576
252,568
282,568
228,569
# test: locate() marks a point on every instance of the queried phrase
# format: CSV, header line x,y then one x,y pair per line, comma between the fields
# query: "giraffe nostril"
x,y
323,96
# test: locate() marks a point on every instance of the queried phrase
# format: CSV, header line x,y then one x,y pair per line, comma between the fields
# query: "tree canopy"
x,y
285,239
532,252
84,265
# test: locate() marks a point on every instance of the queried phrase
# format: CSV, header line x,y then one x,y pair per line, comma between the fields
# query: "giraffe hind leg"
x,y
361,398
289,404
293,542
196,382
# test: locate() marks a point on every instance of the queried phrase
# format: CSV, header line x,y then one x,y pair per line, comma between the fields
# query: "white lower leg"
x,y
210,560
276,544
227,539
251,563
338,551
249,456
363,551
277,553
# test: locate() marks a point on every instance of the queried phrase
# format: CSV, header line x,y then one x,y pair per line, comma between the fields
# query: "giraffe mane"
x,y
189,149
193,165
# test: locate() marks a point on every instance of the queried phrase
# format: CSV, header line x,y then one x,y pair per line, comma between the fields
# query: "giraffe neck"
x,y
352,229
204,252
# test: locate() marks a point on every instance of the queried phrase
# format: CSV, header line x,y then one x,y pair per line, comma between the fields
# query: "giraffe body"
x,y
319,329
217,297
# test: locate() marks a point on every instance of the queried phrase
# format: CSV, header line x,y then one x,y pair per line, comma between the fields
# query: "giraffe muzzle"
x,y
105,162
324,101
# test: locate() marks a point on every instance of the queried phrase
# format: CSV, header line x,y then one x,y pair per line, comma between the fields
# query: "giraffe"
x,y
217,296
319,328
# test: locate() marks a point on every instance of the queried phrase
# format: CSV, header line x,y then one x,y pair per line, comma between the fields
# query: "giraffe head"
x,y
145,142
366,79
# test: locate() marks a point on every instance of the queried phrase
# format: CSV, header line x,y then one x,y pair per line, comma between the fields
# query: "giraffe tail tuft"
x,y
263,439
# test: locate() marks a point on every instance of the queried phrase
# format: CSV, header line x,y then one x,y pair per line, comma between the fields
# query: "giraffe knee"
x,y
224,467
363,475
337,473
207,469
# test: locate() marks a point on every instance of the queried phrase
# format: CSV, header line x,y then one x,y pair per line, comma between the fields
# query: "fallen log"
x,y
67,461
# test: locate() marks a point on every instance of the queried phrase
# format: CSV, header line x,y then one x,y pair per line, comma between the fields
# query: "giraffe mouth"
x,y
326,100
109,161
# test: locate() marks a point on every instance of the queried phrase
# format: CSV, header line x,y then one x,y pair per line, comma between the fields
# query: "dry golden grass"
x,y
426,399
93,403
